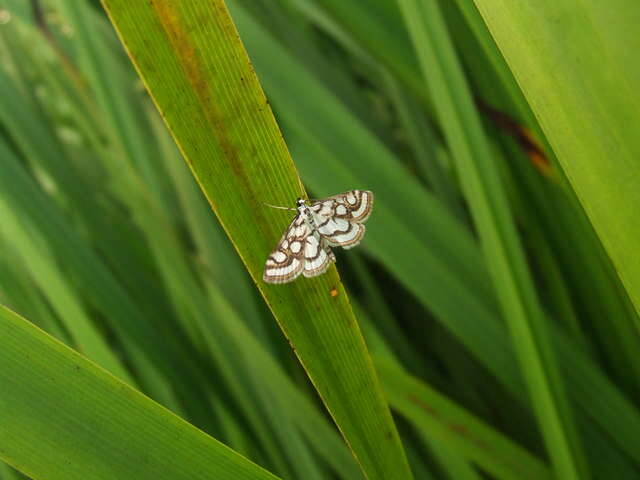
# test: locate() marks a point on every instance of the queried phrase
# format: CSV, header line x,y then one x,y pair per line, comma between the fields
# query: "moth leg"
x,y
330,254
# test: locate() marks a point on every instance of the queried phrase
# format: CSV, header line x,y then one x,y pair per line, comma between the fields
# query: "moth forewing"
x,y
286,262
353,206
340,218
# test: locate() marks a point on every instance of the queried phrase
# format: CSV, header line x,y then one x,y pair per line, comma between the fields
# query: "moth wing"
x,y
339,218
339,232
353,206
317,256
287,261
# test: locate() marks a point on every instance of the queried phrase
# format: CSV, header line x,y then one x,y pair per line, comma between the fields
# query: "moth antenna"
x,y
302,190
280,208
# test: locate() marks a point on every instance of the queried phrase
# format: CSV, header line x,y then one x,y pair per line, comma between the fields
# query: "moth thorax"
x,y
305,212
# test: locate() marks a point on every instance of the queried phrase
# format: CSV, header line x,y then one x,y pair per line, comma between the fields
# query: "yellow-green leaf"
x,y
583,90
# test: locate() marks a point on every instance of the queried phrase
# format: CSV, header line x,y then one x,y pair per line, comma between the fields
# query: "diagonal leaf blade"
x,y
583,92
192,62
450,424
60,414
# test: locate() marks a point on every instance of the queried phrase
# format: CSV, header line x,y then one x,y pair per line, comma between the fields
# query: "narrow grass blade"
x,y
502,249
431,157
64,417
17,293
451,425
197,71
62,298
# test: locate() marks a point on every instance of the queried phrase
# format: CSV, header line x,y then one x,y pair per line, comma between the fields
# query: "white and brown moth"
x,y
306,245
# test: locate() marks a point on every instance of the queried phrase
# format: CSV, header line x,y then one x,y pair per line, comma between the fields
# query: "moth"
x,y
305,246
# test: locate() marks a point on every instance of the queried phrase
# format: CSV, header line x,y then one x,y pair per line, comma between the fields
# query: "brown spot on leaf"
x,y
194,69
426,407
521,134
460,429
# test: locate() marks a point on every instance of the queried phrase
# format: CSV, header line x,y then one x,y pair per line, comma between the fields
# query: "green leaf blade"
x,y
60,413
197,71
581,89
447,423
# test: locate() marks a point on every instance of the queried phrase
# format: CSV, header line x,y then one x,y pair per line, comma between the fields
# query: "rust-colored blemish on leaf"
x,y
192,66
333,291
461,430
423,405
525,138
458,429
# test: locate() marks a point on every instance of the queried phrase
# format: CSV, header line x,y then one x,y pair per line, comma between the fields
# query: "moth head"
x,y
300,202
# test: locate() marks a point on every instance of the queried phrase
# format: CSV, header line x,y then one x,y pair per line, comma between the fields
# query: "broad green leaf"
x,y
589,271
582,89
63,417
196,69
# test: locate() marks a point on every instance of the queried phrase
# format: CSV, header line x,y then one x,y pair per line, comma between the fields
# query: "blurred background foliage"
x,y
119,256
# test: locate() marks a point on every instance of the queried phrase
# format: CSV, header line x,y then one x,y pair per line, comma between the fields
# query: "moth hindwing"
x,y
305,247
